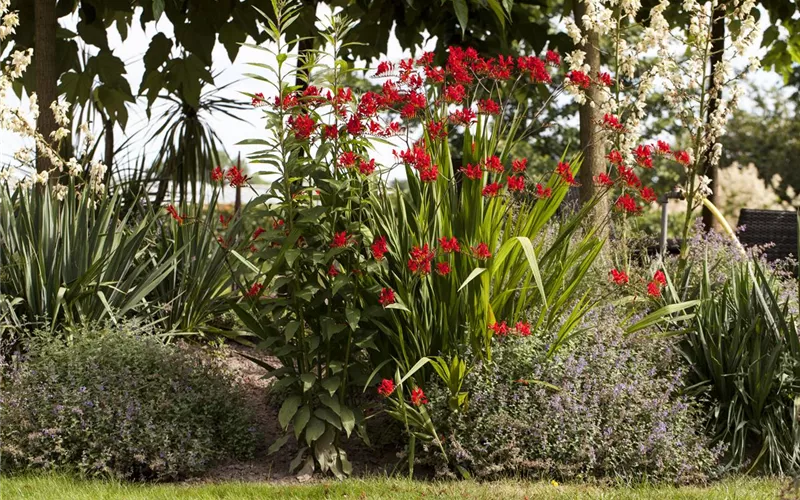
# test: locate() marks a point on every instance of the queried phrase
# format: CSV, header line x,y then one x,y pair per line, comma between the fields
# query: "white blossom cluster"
x,y
23,123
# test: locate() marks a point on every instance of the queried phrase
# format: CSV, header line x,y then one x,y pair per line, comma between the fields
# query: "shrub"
x,y
116,403
605,407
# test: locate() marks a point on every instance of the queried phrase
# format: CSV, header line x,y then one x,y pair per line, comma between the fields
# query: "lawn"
x,y
65,488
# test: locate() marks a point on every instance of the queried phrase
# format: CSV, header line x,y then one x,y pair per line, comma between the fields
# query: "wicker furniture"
x,y
762,227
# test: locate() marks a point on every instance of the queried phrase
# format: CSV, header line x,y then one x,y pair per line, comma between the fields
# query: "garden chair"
x,y
774,229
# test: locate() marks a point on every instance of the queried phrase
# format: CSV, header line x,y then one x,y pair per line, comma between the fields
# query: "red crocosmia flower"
x,y
543,192
605,79
386,297
654,289
683,158
330,131
384,67
217,174
339,240
366,167
481,251
379,247
660,277
369,104
615,157
259,230
643,157
302,125
516,183
253,248
426,59
429,174
501,329
629,176
332,271
619,277
348,159
255,290
603,180
277,224
258,99
493,164
222,242
436,130
523,329
463,116
580,79
565,172
386,388
492,190
663,148
488,107
236,177
519,165
418,397
174,213
552,58
420,261
612,122
626,203
354,126
448,245
648,194
455,93
443,268
223,221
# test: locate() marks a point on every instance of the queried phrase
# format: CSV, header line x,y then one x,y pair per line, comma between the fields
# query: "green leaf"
x,y
244,261
659,315
308,380
158,9
462,14
422,362
348,420
353,317
330,402
329,416
314,429
331,384
474,274
300,420
278,444
288,409
291,329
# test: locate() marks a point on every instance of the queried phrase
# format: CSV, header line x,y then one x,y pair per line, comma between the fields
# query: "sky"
x,y
230,131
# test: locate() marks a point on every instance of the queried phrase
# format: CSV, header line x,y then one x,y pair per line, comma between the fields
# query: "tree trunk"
x,y
717,53
44,56
591,135
108,155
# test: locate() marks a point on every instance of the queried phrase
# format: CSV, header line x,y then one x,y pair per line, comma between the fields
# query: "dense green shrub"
x,y
112,402
606,406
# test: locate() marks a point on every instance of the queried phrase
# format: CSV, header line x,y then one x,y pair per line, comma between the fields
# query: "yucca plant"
x,y
75,260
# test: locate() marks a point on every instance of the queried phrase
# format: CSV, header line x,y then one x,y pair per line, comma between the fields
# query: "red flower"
x,y
255,290
418,397
420,261
626,203
481,251
488,107
493,164
449,245
436,130
500,329
236,177
366,168
429,174
339,240
565,172
492,190
516,183
605,79
330,131
463,116
619,277
288,101
648,194
615,157
384,67
643,158
379,247
259,230
386,297
223,221
443,268
629,176
348,159
354,126
174,213
523,329
552,58
654,289
258,99
519,165
543,192
663,148
217,174
277,224
386,388
683,158
580,79
612,122
454,93
603,180
302,125
473,172
332,271
660,277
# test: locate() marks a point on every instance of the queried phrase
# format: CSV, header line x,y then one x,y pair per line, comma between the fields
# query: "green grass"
x,y
66,488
